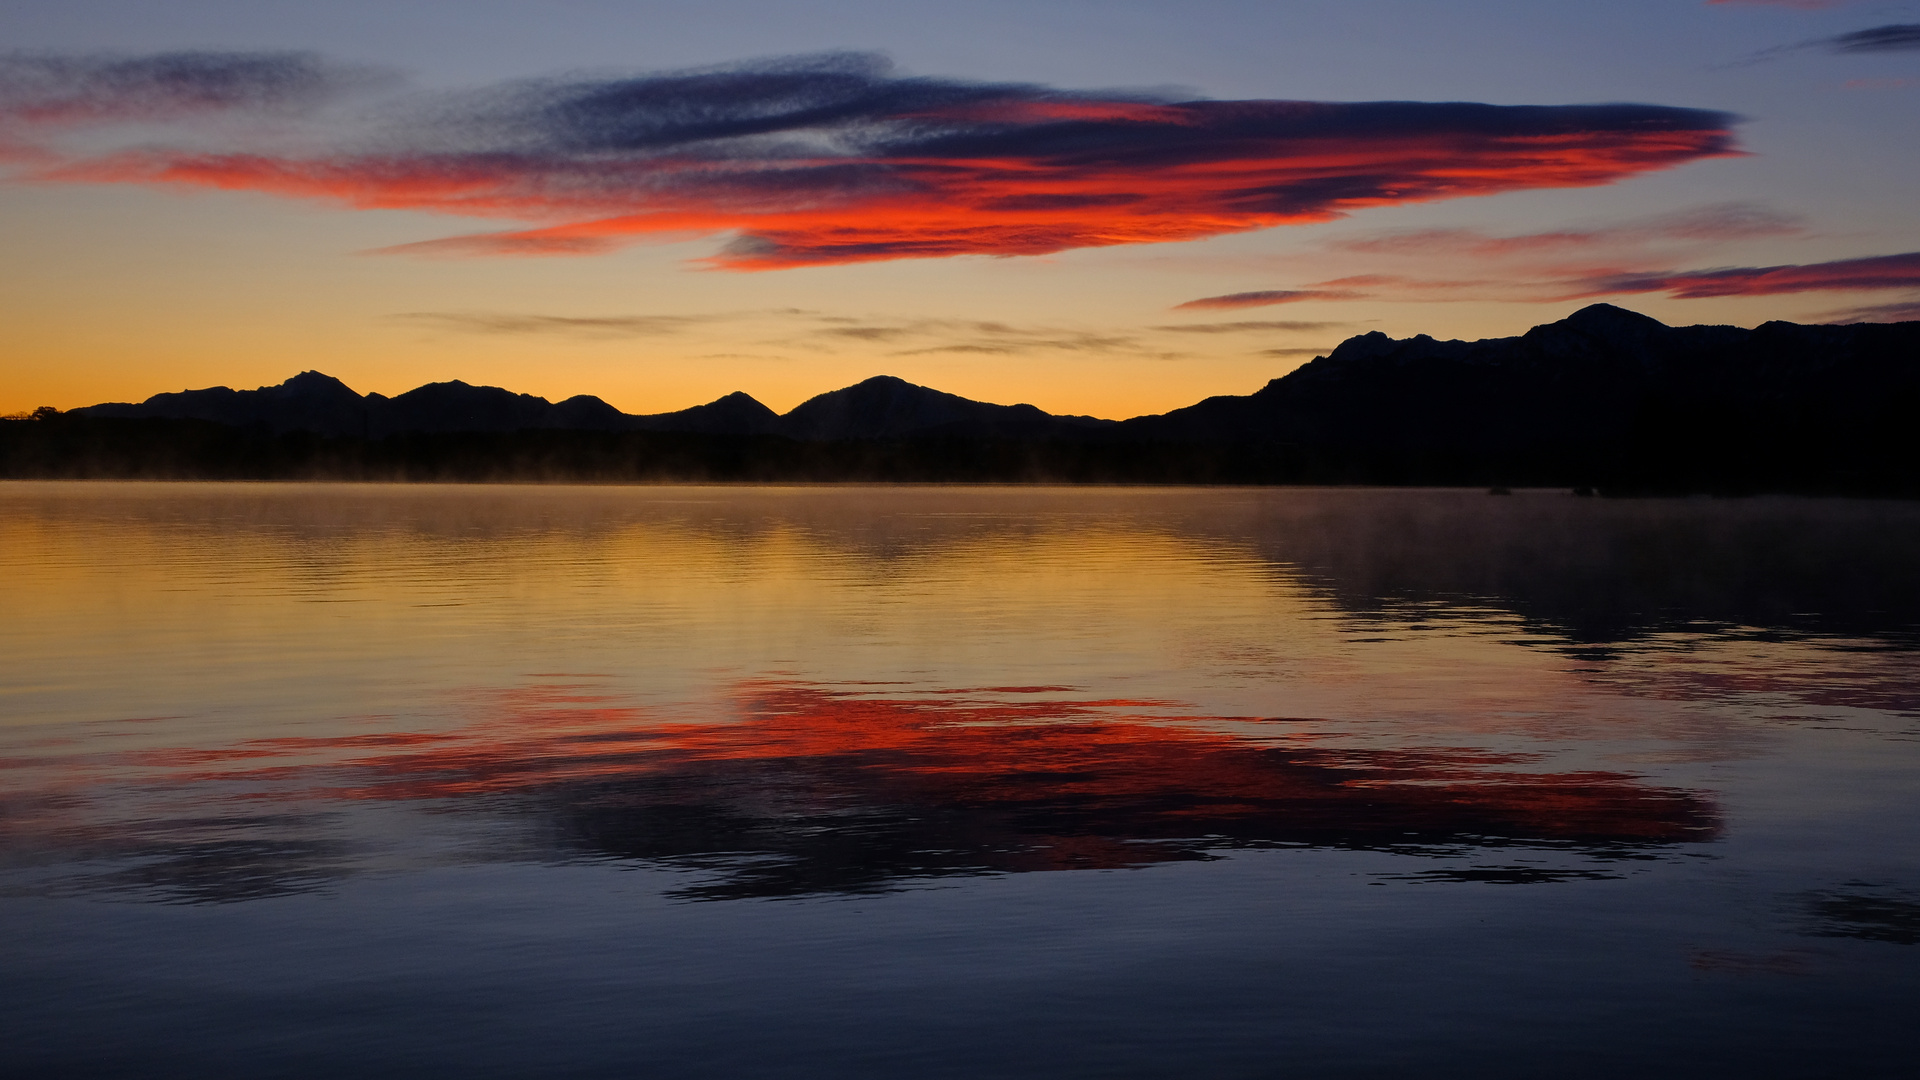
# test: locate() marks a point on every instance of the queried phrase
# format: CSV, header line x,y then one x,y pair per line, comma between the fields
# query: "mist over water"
x,y
315,780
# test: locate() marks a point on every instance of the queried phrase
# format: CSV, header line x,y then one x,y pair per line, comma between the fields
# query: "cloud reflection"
x,y
820,790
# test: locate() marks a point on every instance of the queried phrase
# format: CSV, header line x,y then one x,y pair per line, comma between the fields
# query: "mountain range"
x,y
1585,380
1604,398
882,407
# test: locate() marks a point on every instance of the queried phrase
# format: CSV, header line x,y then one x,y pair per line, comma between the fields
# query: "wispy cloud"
x,y
609,326
927,337
1894,37
159,98
1901,311
815,332
1880,272
784,329
830,159
868,333
995,338
63,89
1804,5
1094,343
1265,298
1842,275
1707,224
1258,326
1655,254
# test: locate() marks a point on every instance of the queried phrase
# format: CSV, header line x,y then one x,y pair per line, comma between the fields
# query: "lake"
x,y
333,780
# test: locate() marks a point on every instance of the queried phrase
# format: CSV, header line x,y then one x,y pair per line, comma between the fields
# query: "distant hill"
x,y
1603,393
1605,398
322,404
882,407
736,414
1587,377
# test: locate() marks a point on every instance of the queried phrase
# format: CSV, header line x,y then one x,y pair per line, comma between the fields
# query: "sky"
x,y
1107,208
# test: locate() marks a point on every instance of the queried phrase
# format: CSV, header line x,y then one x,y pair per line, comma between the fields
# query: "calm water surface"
x,y
885,782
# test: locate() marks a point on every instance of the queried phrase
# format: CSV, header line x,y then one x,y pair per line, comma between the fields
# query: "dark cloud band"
x,y
81,89
835,159
1897,37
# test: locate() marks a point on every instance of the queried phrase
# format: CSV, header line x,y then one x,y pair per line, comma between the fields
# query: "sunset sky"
x,y
1109,208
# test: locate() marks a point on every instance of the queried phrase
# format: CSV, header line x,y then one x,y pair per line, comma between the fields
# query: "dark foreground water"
x,y
894,782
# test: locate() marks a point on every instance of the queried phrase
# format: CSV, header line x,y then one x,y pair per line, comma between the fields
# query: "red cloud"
x,y
834,160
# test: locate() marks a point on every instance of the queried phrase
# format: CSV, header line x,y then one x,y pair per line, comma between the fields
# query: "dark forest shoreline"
x,y
70,447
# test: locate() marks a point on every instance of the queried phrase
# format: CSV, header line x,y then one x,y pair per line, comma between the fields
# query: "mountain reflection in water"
x,y
821,790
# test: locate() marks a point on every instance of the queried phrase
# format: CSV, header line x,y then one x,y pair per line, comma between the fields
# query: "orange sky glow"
x,y
191,213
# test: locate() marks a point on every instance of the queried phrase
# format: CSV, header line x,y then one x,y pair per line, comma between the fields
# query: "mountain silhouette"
x,y
1590,376
883,407
309,401
736,414
1605,398
1580,395
322,404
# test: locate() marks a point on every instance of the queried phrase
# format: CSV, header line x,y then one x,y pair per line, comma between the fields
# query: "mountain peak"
x,y
1372,343
311,384
1606,318
738,413
880,384
887,406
